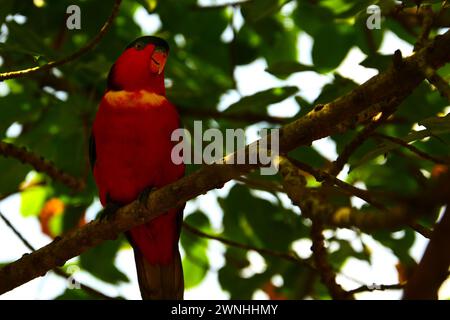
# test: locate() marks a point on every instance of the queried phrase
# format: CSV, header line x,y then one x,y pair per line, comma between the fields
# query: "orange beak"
x,y
158,60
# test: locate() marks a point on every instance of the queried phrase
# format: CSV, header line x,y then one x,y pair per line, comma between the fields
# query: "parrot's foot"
x,y
109,210
143,196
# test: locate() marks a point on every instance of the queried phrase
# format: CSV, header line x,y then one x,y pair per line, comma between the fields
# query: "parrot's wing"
x,y
92,151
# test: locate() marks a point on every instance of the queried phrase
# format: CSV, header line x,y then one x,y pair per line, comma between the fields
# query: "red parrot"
x,y
130,152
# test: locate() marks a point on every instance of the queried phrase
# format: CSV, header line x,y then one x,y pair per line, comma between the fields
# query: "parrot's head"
x,y
140,66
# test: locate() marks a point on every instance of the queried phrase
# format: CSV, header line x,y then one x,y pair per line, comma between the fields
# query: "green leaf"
x,y
308,155
304,105
377,61
17,108
437,125
76,294
395,170
422,103
299,280
286,68
311,18
56,224
245,46
195,266
261,100
350,9
13,173
239,287
252,220
445,70
26,41
331,45
337,88
345,251
32,200
257,10
72,216
400,246
106,270
5,9
195,262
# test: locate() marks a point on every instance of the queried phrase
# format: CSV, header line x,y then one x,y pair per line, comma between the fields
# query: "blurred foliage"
x,y
51,114
195,262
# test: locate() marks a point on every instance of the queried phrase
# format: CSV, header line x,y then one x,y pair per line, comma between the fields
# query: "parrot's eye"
x,y
139,46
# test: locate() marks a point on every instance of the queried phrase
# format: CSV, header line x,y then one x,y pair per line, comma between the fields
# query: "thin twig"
x,y
326,272
245,117
265,252
411,148
378,287
441,85
57,271
346,187
264,185
72,57
358,140
427,23
425,232
40,164
411,19
16,232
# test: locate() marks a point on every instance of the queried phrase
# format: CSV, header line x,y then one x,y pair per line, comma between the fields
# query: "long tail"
x,y
160,281
158,262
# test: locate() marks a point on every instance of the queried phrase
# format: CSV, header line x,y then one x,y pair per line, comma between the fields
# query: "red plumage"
x,y
132,131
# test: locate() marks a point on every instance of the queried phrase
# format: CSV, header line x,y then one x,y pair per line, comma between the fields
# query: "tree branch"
x,y
367,220
52,64
311,203
437,81
40,164
411,18
441,85
433,267
427,23
57,271
360,138
424,231
325,270
347,217
345,112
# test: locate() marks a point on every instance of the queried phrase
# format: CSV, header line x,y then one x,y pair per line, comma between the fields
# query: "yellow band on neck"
x,y
130,99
